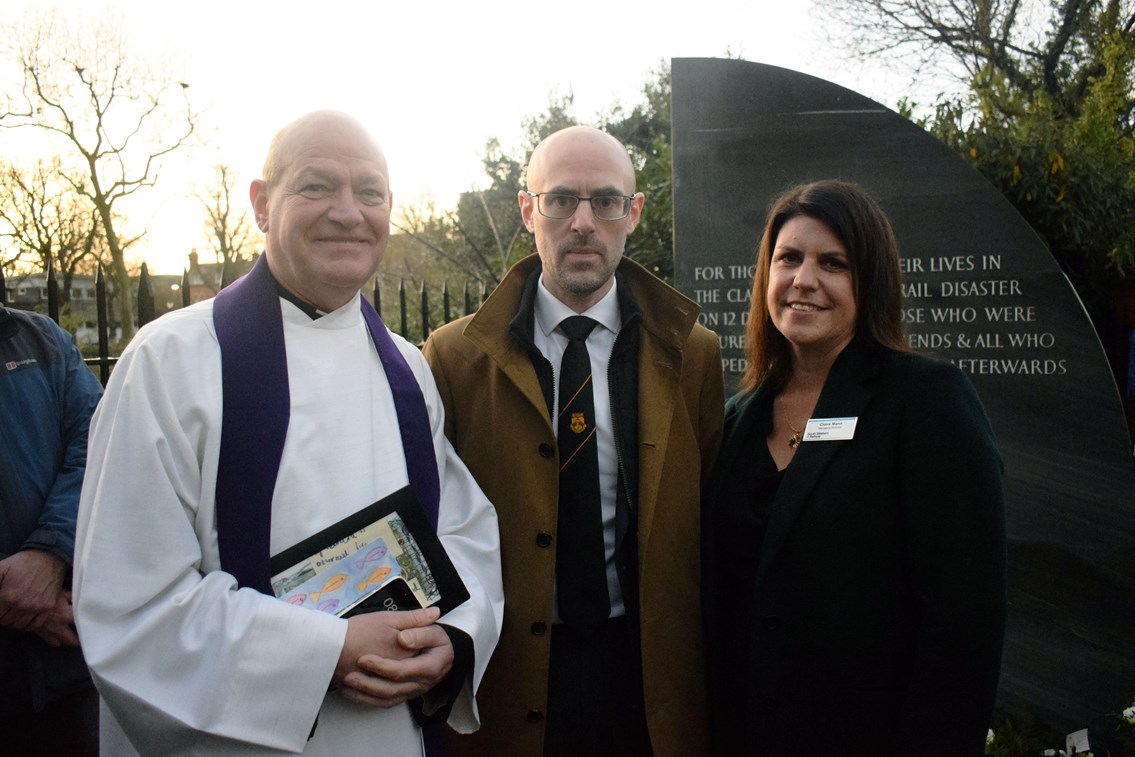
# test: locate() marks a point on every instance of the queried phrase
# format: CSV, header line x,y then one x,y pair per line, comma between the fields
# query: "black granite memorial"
x,y
981,290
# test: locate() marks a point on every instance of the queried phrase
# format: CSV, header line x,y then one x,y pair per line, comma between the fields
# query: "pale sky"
x,y
432,80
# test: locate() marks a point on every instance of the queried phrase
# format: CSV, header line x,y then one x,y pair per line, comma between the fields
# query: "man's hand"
x,y
32,598
396,656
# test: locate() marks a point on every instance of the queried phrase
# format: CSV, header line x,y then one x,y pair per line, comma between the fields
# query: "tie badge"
x,y
578,423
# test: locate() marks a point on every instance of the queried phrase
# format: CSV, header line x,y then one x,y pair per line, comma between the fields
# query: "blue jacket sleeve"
x,y
78,392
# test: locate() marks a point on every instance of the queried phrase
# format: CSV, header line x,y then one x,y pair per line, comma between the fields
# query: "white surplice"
x,y
185,662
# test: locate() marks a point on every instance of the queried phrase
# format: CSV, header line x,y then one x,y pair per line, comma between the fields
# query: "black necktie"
x,y
581,572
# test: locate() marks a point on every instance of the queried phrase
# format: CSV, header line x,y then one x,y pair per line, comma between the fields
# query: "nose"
x,y
805,277
344,208
583,220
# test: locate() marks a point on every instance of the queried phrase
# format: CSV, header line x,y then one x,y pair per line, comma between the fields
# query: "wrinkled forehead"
x,y
320,138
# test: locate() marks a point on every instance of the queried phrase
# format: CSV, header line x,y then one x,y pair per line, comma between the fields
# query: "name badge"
x,y
829,429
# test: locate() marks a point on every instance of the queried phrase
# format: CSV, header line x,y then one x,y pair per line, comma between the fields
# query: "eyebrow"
x,y
786,247
313,172
607,191
309,172
373,180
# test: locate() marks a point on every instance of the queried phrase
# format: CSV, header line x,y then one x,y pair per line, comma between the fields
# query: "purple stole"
x,y
256,410
255,413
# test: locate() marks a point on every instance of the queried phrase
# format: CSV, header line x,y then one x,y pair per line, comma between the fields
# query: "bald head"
x,y
578,142
295,141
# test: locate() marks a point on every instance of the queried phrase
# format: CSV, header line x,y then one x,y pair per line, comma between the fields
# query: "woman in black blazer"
x,y
854,556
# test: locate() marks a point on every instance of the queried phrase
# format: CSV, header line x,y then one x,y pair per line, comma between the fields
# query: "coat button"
x,y
534,716
547,450
539,628
770,622
543,539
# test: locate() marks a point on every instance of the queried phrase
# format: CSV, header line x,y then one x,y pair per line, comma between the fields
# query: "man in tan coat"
x,y
632,681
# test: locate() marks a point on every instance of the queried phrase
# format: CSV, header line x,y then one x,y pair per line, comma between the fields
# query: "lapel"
x,y
516,365
665,320
743,430
490,330
658,372
844,396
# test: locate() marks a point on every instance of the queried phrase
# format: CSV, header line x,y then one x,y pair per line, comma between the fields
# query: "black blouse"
x,y
740,516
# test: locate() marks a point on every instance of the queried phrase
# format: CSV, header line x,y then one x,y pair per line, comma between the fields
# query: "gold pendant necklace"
x,y
797,435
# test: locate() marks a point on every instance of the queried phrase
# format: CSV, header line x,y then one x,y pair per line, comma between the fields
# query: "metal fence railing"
x,y
106,325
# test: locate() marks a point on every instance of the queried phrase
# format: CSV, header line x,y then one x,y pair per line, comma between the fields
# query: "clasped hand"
x,y
32,598
391,657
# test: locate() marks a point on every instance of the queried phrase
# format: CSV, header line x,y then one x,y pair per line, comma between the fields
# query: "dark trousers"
x,y
68,726
595,703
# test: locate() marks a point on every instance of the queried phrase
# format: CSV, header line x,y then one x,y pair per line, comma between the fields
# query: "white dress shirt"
x,y
552,342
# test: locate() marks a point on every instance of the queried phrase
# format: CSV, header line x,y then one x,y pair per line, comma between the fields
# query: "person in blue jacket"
x,y
47,395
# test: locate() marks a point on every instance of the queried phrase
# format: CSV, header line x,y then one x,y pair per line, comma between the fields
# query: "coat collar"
x,y
668,315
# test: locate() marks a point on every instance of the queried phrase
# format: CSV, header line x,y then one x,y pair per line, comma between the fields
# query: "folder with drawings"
x,y
384,557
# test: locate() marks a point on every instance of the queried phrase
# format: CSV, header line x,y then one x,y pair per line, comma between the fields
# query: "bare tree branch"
x,y
228,227
42,221
119,117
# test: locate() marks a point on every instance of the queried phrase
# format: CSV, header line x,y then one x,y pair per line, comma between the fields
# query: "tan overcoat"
x,y
497,419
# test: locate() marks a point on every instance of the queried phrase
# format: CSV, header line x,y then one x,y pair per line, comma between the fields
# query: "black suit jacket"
x,y
879,605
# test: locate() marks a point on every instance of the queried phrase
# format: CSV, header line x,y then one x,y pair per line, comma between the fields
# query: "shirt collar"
x,y
550,312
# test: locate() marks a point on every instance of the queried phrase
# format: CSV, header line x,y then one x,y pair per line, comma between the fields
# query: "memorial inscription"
x,y
967,309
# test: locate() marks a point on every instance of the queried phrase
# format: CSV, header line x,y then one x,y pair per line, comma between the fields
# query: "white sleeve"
x,y
467,526
185,661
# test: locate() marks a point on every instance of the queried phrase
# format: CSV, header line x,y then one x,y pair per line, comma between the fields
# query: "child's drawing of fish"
x,y
332,584
376,553
376,577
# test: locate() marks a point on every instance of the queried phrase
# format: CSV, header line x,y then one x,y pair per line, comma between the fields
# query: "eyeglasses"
x,y
561,206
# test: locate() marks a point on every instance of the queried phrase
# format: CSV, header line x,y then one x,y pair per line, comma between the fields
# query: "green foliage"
x,y
488,222
646,133
1051,126
1125,729
414,264
484,236
480,239
1047,117
652,243
1018,736
91,349
1022,734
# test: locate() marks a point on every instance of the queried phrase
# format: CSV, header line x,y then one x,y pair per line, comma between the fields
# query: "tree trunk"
x,y
122,290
